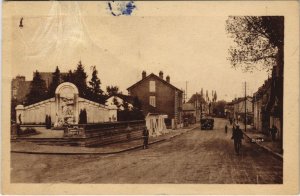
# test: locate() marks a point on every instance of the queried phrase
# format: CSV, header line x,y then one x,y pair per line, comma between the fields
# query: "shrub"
x,y
29,131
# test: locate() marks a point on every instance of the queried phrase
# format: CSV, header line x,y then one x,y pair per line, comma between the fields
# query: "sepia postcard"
x,y
150,97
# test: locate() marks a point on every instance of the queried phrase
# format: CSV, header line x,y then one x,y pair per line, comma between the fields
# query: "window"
x,y
152,101
152,86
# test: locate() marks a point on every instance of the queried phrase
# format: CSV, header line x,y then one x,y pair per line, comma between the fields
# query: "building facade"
x,y
268,104
199,104
239,106
20,87
189,112
229,110
260,100
159,96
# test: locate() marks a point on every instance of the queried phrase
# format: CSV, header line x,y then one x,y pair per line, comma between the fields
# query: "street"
x,y
197,157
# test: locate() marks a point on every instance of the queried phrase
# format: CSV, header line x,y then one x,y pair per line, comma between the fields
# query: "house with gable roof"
x,y
157,95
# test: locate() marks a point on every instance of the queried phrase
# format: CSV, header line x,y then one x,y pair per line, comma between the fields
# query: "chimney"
x,y
144,74
168,79
161,75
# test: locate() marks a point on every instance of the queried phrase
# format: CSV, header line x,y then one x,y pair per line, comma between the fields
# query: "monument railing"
x,y
106,133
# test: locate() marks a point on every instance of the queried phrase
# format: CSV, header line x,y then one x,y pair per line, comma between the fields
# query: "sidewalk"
x,y
32,148
264,141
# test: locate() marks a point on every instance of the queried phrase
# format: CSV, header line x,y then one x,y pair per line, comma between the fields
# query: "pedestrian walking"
x,y
237,136
273,131
226,128
145,137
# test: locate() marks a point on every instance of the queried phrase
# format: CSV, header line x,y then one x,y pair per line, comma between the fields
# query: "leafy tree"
x,y
259,44
112,90
56,80
258,41
38,90
125,105
116,103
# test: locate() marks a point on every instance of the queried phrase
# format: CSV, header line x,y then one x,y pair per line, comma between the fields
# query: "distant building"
x,y
159,96
229,110
20,87
239,109
189,112
199,104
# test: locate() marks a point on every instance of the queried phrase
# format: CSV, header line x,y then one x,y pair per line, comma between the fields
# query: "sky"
x,y
186,41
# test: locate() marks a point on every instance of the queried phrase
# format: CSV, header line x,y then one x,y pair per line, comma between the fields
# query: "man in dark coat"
x,y
273,131
146,137
237,136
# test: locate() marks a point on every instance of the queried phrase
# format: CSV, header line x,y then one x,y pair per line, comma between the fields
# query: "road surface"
x,y
200,157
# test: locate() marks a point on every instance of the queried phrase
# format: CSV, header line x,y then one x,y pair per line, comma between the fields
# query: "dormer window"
x,y
152,86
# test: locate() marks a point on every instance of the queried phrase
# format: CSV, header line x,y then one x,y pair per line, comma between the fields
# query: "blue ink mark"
x,y
118,8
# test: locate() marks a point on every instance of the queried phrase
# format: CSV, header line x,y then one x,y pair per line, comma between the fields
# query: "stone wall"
x,y
105,133
96,112
35,113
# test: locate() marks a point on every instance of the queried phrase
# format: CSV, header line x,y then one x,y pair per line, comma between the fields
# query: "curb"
x,y
87,153
276,155
100,153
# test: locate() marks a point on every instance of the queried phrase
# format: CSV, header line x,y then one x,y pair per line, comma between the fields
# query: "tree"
x,y
95,82
219,108
56,80
95,93
137,103
82,116
125,105
69,77
79,79
258,41
112,90
215,96
38,90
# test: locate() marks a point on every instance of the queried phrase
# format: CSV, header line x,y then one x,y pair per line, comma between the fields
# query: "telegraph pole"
x,y
245,120
186,83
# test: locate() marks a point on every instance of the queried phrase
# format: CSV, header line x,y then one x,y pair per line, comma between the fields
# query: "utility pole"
x,y
245,120
186,83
